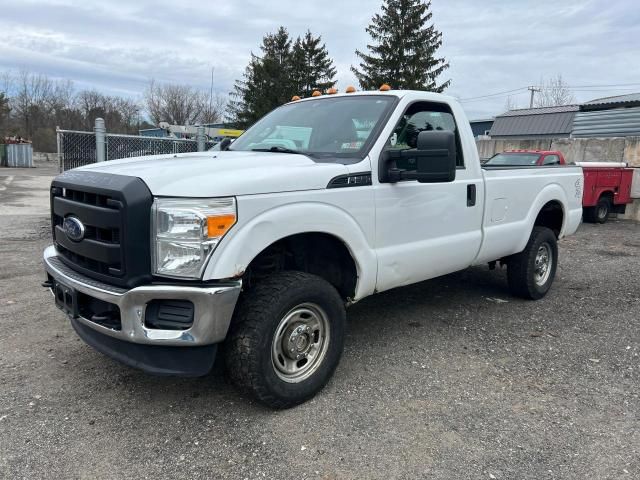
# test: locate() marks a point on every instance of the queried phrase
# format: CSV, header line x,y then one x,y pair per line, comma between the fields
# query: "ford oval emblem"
x,y
73,228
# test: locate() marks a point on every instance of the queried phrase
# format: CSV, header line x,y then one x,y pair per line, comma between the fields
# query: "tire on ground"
x,y
249,344
603,208
599,213
522,270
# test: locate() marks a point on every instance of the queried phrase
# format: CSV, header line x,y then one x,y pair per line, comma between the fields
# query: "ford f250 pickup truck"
x,y
255,250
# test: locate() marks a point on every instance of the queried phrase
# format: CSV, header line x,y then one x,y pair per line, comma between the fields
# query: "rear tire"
x,y
286,338
530,273
603,208
599,213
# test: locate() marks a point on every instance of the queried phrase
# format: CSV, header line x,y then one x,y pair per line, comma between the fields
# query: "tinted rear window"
x,y
514,159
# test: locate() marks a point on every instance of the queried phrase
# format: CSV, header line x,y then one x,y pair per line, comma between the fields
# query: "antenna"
x,y
211,91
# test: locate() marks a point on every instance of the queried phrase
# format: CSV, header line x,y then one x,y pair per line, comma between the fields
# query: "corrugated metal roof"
x,y
631,97
559,124
540,110
614,122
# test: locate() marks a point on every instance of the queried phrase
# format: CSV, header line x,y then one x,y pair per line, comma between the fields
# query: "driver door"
x,y
424,230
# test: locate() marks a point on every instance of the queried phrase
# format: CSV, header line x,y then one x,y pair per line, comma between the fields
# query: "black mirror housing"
x,y
436,156
434,159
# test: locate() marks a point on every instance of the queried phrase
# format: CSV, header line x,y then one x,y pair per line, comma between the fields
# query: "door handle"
x,y
471,195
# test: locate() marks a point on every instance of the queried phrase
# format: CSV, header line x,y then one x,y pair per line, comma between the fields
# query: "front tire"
x,y
530,273
286,338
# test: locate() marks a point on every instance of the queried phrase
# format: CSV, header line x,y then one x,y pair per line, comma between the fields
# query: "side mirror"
x,y
224,144
436,156
433,161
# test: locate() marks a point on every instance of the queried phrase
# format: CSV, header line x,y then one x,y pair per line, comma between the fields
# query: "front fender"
x,y
244,242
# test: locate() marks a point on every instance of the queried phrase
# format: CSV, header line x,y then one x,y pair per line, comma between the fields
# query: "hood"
x,y
219,174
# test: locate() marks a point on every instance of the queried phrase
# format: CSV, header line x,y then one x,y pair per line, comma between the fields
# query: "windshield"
x,y
339,126
514,159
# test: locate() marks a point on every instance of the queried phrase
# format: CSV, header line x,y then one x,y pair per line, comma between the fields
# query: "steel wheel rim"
x,y
300,343
543,264
602,212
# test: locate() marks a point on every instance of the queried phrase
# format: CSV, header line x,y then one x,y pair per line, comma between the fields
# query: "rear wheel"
x,y
531,272
599,213
286,338
603,208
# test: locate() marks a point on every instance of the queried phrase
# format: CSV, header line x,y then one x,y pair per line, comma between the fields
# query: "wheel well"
x,y
317,253
608,195
551,216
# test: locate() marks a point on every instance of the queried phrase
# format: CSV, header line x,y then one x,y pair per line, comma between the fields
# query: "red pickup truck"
x,y
607,185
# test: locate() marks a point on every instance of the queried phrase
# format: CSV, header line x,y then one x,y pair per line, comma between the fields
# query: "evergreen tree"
x,y
403,53
266,82
312,69
280,72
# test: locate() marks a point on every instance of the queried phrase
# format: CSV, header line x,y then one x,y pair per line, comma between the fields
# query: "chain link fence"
x,y
125,146
76,149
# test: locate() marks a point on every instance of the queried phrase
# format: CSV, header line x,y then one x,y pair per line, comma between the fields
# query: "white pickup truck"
x,y
258,247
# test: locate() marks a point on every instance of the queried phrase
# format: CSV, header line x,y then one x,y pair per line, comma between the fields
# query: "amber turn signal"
x,y
218,225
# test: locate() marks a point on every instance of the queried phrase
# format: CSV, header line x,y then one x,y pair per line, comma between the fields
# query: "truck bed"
x,y
514,195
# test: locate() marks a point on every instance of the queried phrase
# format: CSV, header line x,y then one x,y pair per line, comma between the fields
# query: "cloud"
x,y
492,46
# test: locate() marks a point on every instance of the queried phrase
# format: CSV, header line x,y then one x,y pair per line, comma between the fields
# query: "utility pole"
x,y
533,90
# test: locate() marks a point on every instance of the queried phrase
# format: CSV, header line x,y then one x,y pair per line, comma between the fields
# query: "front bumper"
x,y
213,309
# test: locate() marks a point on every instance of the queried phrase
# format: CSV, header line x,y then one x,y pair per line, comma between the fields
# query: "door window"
x,y
420,117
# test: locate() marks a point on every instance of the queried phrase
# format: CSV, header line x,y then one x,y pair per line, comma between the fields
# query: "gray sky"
x,y
491,45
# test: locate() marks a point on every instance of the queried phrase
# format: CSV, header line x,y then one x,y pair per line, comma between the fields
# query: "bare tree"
x,y
5,110
213,110
554,92
182,104
175,104
32,99
120,114
129,111
510,103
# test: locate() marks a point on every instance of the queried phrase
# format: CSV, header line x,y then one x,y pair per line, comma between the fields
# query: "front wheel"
x,y
530,273
286,339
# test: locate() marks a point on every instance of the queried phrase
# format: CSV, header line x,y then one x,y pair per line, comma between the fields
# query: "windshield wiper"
x,y
277,149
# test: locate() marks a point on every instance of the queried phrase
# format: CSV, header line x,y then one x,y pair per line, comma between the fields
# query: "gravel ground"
x,y
450,378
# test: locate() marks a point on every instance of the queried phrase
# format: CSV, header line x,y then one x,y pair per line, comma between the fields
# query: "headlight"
x,y
187,231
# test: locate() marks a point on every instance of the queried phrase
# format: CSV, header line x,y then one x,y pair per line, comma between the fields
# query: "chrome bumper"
x,y
213,307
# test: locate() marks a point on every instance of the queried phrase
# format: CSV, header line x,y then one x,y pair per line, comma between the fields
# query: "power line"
x,y
492,94
577,88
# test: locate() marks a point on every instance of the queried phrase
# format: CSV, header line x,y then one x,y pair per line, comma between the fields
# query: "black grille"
x,y
115,211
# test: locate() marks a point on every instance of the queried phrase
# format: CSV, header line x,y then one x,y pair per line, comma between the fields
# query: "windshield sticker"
x,y
352,145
